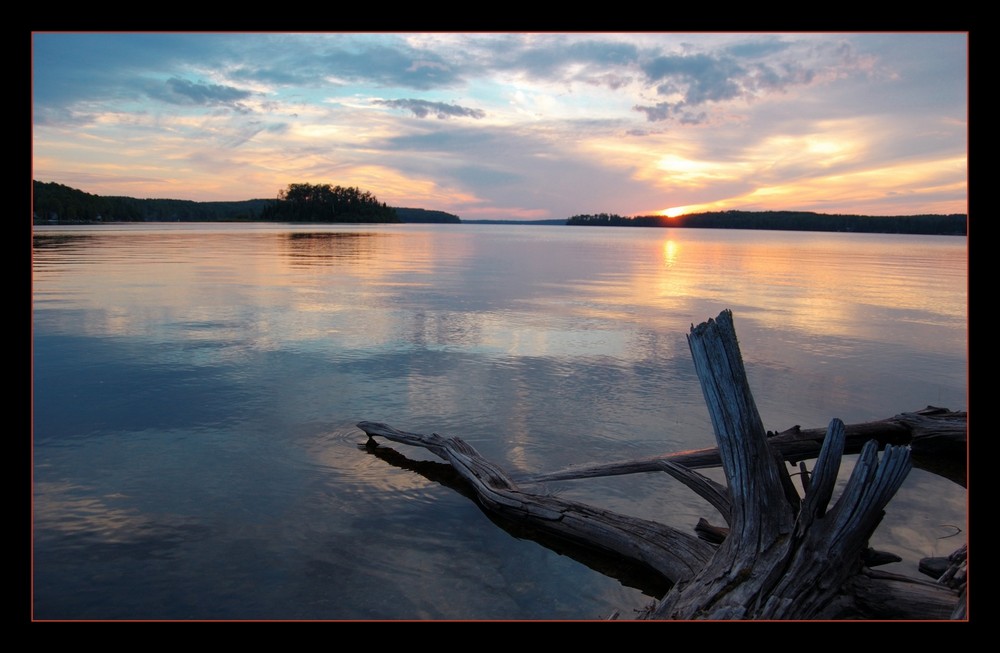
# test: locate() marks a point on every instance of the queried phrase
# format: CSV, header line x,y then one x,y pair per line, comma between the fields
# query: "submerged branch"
x,y
671,553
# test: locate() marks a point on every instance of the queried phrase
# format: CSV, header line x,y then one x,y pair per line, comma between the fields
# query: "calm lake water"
x,y
196,390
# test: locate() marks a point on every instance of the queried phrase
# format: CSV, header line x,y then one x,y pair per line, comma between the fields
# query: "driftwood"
x,y
669,552
936,436
782,557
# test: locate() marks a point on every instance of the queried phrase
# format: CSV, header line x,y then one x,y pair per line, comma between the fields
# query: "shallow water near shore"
x,y
196,390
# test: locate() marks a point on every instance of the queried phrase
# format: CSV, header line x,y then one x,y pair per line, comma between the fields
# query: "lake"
x,y
197,386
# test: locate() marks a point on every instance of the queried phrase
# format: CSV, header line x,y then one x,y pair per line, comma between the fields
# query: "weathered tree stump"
x,y
781,557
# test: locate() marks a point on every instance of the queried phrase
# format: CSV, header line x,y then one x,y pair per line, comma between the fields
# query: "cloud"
x,y
610,80
184,92
390,66
423,108
243,133
758,48
556,57
460,141
73,67
700,79
504,166
670,110
538,58
61,117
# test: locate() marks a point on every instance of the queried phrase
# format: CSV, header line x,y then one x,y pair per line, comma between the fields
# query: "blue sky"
x,y
513,125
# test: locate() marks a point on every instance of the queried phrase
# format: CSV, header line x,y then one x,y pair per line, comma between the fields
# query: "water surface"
x,y
196,389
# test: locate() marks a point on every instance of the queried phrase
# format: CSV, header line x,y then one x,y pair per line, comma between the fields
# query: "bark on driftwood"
x,y
782,558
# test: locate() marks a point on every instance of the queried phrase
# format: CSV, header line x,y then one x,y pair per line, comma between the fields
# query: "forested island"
x,y
939,225
321,203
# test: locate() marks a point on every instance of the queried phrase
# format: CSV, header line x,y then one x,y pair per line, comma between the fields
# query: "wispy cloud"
x,y
182,91
424,108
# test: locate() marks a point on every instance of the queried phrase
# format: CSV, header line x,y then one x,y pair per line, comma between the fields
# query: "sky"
x,y
513,126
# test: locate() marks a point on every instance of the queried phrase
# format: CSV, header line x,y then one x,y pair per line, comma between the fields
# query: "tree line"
x,y
927,224
297,203
426,216
54,202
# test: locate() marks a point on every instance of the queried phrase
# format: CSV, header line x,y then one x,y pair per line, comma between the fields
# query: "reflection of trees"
x,y
321,248
59,241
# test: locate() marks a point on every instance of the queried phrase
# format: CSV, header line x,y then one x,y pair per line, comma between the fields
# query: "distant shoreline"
x,y
530,223
55,204
925,224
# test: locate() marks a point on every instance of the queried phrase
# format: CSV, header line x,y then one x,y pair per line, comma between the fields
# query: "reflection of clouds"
x,y
444,329
806,275
170,283
357,475
512,333
214,294
65,515
923,520
527,339
63,507
826,293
